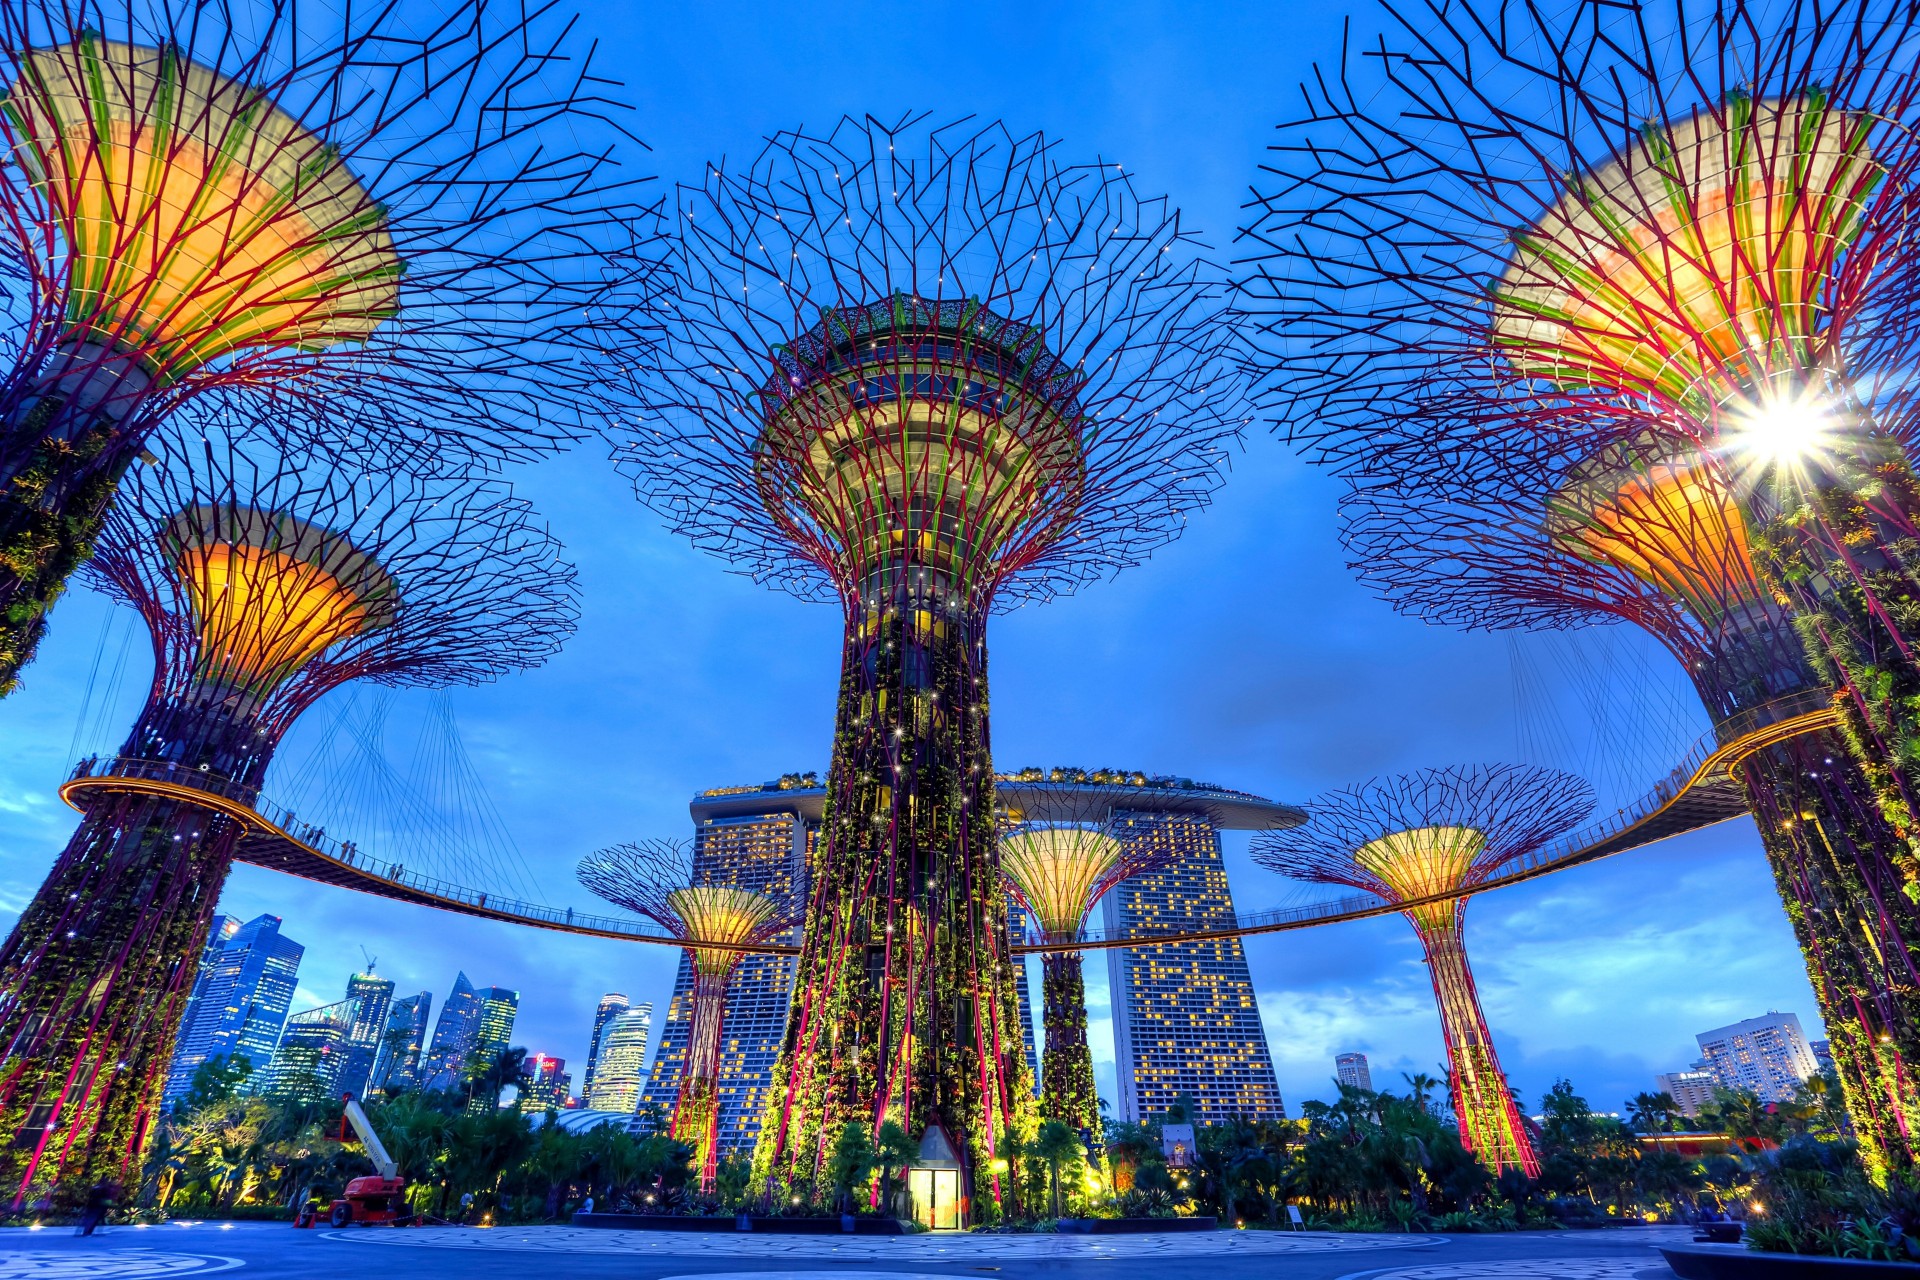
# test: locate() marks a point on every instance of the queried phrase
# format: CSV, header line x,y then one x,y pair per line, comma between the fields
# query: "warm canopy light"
x,y
909,433
1059,873
715,913
1696,266
271,592
1423,861
1667,519
200,219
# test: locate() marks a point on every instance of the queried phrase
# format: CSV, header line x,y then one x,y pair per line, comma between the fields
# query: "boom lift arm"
x,y
363,1129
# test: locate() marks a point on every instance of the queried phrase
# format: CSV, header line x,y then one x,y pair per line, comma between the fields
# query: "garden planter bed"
x,y
1130,1226
1737,1262
771,1226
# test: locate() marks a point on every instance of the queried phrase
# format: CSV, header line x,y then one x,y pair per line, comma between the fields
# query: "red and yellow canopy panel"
x,y
270,593
1698,266
1670,522
199,219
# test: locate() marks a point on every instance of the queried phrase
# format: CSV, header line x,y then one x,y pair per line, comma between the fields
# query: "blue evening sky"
x,y
1242,654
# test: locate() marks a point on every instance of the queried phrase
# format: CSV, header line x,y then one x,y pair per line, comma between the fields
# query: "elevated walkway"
x,y
1700,792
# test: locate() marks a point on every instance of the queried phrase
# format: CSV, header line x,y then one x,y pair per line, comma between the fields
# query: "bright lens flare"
x,y
1782,431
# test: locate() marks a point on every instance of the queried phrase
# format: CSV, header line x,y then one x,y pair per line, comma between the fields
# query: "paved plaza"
x,y
555,1253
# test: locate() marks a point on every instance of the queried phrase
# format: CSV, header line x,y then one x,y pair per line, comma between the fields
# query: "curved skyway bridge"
x,y
1700,792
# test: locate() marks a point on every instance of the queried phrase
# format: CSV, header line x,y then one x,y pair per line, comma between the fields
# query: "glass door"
x,y
936,1198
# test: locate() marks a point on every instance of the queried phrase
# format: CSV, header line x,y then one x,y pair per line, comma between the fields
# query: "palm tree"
x,y
850,1162
1420,1087
487,1077
894,1150
1057,1144
1652,1112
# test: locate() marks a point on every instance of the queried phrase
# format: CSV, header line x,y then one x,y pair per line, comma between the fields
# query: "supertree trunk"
x,y
1490,1124
1827,844
696,1112
64,446
904,986
1066,1071
97,969
1836,830
1848,557
97,972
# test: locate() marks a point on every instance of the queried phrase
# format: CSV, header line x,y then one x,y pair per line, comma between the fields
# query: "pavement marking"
x,y
118,1264
809,1275
1518,1269
942,1249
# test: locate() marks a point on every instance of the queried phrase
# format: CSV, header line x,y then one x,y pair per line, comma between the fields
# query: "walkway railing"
x,y
1702,785
1699,792
278,839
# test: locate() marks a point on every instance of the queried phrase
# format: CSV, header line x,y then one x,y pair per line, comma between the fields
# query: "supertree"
x,y
265,581
926,372
1059,864
1649,535
398,216
1411,837
1648,262
1655,219
663,881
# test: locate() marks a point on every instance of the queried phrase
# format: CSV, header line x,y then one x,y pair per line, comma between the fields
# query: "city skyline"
x,y
1154,633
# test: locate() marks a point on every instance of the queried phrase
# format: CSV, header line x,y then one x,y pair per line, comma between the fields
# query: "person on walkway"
x,y
99,1200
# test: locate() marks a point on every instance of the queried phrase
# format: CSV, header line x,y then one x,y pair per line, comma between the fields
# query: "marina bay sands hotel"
x,y
1185,1019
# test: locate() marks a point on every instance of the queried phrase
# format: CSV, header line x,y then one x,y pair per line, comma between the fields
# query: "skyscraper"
x,y
618,1078
397,1068
239,1000
765,833
611,1004
544,1083
313,1054
758,839
498,1009
1185,1020
1351,1070
1768,1055
454,1036
1691,1089
370,998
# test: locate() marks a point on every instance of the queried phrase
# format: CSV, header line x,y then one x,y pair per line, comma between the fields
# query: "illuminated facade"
x,y
621,1071
544,1083
312,1056
1185,1017
397,1067
240,999
611,1005
1768,1055
372,999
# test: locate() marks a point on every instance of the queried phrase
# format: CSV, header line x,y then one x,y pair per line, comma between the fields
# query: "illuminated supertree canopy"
x,y
384,219
1631,284
1059,866
1526,534
1441,831
928,371
265,581
1649,218
663,881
